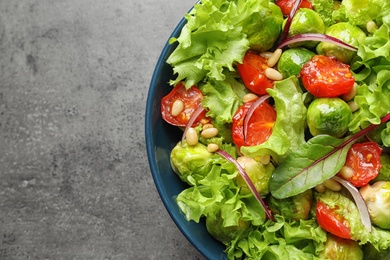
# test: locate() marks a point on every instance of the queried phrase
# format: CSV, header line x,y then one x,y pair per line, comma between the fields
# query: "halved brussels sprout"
x,y
190,160
293,208
377,198
292,60
341,249
306,21
263,28
328,116
345,32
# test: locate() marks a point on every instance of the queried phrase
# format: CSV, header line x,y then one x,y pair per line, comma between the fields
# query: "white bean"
x,y
273,74
274,58
177,107
209,132
346,172
249,97
212,147
332,185
353,105
191,136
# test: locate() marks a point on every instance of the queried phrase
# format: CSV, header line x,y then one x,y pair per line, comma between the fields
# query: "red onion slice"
x,y
193,117
250,111
248,181
316,37
360,203
290,17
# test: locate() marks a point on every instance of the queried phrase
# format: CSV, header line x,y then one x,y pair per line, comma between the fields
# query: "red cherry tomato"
x,y
325,76
364,159
191,99
332,222
259,126
287,5
252,72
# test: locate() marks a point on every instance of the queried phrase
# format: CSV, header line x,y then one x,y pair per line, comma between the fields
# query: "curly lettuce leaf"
x,y
281,240
288,130
222,98
373,92
213,39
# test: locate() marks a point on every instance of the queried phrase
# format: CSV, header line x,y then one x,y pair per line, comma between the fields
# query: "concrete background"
x,y
74,177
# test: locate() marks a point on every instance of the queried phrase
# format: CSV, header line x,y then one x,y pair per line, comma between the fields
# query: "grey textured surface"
x,y
74,177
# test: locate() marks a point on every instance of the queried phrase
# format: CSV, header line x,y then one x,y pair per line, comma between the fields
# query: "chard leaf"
x,y
316,161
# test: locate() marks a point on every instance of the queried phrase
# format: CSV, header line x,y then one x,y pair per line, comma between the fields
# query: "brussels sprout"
x,y
293,208
377,198
328,116
371,253
263,28
190,160
292,60
347,33
337,248
215,226
306,21
257,172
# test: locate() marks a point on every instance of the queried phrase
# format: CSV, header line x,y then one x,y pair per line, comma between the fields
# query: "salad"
x,y
285,112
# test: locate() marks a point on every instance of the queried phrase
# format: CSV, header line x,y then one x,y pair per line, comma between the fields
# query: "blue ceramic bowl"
x,y
160,139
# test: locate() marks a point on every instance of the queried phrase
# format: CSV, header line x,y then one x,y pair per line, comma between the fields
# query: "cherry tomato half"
x,y
191,99
364,159
259,126
332,222
287,5
325,76
252,72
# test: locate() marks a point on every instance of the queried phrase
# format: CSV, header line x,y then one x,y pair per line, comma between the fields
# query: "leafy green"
x,y
325,9
222,98
308,166
288,130
373,77
281,240
213,38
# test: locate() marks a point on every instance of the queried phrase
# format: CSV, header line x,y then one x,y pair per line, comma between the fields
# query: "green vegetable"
x,y
384,171
328,116
225,234
213,39
306,21
280,240
288,130
371,253
257,172
292,60
341,249
293,208
308,166
190,162
377,197
345,32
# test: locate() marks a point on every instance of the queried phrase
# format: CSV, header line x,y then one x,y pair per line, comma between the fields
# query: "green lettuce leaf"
x,y
288,130
213,39
281,240
223,98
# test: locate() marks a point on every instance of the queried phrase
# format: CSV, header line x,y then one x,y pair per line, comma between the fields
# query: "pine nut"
x,y
332,185
177,107
249,97
274,58
273,74
265,159
346,172
350,94
320,188
209,132
212,147
371,26
191,136
206,126
353,105
266,54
